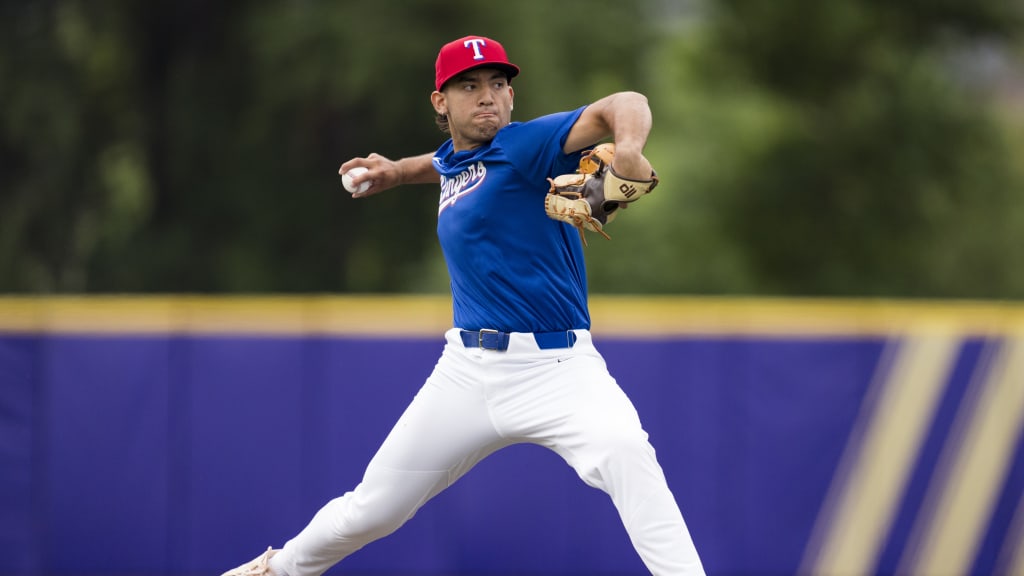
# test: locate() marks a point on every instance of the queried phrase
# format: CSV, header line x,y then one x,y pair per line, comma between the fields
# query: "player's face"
x,y
478,104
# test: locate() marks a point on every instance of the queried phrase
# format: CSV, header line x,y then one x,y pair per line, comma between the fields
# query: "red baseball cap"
x,y
471,52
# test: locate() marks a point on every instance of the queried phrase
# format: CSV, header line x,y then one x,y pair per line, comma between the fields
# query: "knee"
x,y
619,456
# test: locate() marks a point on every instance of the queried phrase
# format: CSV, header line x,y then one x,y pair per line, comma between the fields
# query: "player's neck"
x,y
462,142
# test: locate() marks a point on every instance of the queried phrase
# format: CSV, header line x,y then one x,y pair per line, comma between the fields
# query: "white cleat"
x,y
260,566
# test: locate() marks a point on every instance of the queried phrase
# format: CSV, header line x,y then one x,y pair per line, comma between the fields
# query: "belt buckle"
x,y
480,336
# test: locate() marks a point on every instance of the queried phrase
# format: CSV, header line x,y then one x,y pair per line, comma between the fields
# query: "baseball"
x,y
346,180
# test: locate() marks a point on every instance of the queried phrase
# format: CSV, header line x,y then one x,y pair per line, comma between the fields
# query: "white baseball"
x,y
346,180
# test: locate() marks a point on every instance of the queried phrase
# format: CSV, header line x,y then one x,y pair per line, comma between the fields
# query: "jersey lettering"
x,y
476,43
461,184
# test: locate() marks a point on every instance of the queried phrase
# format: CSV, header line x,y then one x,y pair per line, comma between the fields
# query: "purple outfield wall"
x,y
181,436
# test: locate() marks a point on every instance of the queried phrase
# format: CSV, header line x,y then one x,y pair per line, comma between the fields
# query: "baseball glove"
x,y
591,198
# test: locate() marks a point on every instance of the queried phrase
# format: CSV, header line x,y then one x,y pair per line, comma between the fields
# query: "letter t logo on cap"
x,y
476,43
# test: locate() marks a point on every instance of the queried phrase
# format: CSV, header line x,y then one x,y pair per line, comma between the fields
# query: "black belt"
x,y
494,340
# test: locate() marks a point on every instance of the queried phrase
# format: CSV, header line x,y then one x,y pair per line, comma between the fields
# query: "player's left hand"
x,y
590,198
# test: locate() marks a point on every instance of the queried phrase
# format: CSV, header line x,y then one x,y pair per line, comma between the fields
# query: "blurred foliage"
x,y
850,147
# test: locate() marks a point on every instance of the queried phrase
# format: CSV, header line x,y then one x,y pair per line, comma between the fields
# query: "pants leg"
x,y
610,451
574,407
442,434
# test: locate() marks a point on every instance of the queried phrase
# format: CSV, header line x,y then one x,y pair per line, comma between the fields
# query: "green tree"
x,y
193,146
804,148
889,172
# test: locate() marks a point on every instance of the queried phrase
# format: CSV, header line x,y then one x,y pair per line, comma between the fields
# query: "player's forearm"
x,y
629,119
382,173
417,170
623,116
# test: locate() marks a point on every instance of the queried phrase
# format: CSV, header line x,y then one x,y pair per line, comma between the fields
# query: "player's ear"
x,y
437,99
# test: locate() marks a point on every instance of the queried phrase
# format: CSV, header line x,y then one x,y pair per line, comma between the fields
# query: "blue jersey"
x,y
511,267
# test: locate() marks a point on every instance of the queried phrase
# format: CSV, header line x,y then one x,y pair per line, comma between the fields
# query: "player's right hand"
x,y
383,173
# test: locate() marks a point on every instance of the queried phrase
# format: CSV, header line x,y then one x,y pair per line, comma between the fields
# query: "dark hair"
x,y
442,123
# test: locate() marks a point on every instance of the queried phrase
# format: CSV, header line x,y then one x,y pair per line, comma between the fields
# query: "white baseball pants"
x,y
478,401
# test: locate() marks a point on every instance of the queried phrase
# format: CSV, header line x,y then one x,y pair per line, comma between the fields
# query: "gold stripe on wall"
x,y
974,463
370,315
869,483
627,316
669,315
1011,557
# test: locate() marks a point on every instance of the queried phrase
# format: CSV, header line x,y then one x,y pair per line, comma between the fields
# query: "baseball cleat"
x,y
260,566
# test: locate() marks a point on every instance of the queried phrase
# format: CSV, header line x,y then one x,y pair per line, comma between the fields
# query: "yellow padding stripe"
x,y
1011,558
974,465
863,499
666,315
631,316
231,315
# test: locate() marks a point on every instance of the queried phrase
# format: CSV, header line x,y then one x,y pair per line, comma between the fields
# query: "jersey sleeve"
x,y
535,147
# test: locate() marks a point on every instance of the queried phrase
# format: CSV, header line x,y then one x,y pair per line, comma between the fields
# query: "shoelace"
x,y
261,566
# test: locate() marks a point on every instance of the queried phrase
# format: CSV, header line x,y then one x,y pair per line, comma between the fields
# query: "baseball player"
x,y
519,364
